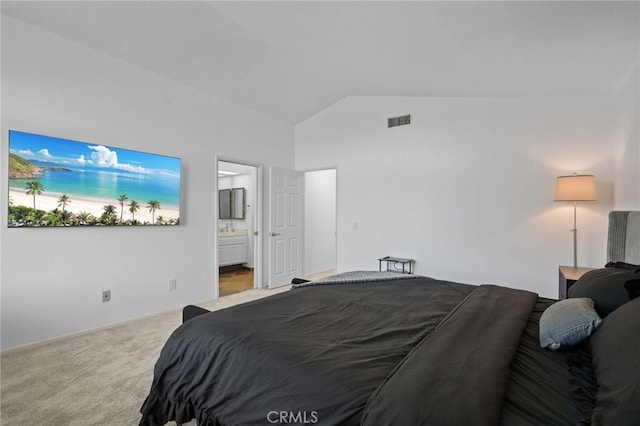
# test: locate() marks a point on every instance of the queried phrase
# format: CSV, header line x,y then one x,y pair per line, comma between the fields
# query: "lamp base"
x,y
575,236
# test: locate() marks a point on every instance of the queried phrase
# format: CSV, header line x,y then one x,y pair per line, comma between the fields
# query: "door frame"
x,y
337,176
257,219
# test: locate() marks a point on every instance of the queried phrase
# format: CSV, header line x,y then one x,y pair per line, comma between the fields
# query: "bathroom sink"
x,y
232,232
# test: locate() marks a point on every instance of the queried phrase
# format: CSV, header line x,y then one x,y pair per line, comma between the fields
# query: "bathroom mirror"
x,y
238,203
232,203
224,204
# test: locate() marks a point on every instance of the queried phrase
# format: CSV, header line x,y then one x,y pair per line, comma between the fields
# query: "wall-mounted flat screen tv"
x,y
60,182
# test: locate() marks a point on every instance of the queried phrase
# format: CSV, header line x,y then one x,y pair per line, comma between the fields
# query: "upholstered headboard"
x,y
623,243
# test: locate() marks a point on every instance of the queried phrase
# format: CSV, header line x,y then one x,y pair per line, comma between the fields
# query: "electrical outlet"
x,y
172,284
106,296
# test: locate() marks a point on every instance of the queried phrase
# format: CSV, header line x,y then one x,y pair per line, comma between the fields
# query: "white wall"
x,y
52,279
467,189
319,221
627,147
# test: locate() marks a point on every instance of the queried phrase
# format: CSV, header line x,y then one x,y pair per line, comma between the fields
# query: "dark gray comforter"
x,y
402,352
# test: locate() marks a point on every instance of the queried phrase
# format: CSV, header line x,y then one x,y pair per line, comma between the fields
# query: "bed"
x,y
392,349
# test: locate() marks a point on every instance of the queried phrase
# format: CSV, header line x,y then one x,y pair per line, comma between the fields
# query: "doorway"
x,y
238,221
320,218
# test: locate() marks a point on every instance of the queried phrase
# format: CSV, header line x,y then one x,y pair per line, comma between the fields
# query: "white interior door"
x,y
286,204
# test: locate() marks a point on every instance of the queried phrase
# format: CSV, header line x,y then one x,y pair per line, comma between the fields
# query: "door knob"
x,y
273,234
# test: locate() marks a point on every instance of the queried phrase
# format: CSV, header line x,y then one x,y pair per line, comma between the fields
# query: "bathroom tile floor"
x,y
242,279
236,281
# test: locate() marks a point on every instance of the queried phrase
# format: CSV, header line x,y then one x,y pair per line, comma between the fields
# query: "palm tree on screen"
x,y
134,206
153,206
83,217
63,201
109,209
109,216
122,198
34,188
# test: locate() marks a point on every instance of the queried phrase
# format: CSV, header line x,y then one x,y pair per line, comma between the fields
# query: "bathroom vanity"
x,y
232,247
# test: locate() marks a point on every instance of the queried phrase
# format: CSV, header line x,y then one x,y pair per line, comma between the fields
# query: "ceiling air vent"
x,y
403,120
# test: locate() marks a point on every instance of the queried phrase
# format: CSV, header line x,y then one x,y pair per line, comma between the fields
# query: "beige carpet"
x,y
96,378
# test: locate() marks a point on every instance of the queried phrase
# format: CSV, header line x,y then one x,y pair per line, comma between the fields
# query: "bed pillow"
x,y
568,322
615,350
623,265
605,286
633,288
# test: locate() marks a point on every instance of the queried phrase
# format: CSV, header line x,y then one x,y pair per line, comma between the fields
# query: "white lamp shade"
x,y
576,188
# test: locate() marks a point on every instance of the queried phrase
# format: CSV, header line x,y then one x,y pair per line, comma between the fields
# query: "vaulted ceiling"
x,y
292,59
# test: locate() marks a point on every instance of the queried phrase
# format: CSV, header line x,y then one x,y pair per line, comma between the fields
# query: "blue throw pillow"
x,y
568,322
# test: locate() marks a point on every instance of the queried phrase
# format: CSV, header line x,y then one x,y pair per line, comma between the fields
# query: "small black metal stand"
x,y
392,264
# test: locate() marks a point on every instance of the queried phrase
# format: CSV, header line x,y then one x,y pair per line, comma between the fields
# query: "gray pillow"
x,y
615,350
568,322
605,286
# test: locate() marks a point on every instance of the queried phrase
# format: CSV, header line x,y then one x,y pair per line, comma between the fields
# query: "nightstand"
x,y
568,275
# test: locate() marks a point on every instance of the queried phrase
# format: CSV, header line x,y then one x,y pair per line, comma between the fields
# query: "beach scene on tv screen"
x,y
60,182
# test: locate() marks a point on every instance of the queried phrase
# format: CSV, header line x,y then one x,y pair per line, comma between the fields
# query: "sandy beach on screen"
x,y
49,201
